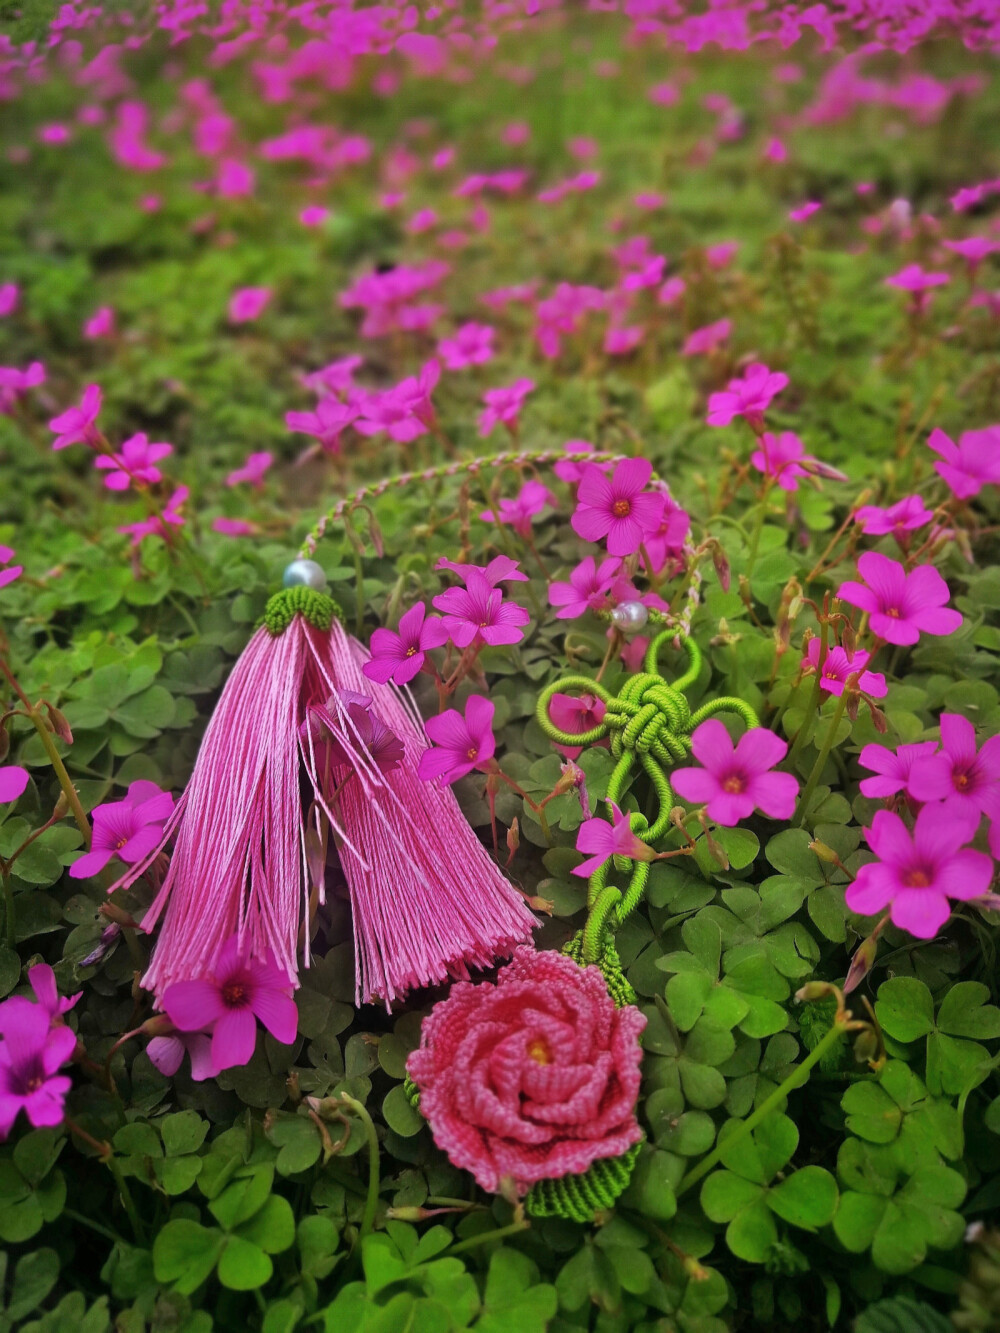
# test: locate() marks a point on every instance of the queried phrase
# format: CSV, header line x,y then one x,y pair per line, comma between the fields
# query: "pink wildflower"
x,y
780,457
31,1054
735,780
233,527
666,544
748,397
247,303
967,778
10,294
15,383
326,424
603,841
973,249
13,781
503,406
167,1053
404,412
399,657
804,211
893,768
775,151
671,291
901,605
42,980
530,500
12,572
704,341
501,569
838,667
159,525
135,463
903,517
238,991
253,470
916,874
76,424
478,611
577,714
619,341
101,324
314,215
470,345
571,471
337,377
972,463
587,589
916,280
617,507
719,255
347,710
127,829
532,1078
461,743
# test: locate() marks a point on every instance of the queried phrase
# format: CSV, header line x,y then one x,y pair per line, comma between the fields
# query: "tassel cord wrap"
x,y
649,724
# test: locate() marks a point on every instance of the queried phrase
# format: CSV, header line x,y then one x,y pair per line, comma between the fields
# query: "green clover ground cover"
x,y
195,212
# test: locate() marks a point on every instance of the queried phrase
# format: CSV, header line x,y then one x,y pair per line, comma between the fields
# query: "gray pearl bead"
x,y
305,573
630,617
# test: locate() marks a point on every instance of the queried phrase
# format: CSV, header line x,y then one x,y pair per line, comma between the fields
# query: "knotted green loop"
x,y
649,724
579,1197
318,608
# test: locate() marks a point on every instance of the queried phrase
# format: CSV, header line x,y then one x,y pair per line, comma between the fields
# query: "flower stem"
x,y
801,810
10,919
371,1202
59,768
795,1079
758,528
501,1232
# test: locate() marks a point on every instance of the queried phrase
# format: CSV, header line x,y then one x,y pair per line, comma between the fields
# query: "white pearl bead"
x,y
305,573
630,617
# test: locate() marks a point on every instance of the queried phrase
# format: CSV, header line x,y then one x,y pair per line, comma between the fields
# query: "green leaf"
x,y
904,1008
245,1196
965,1013
401,1117
281,1317
243,1266
902,1314
511,1301
806,1198
752,1233
724,1194
740,844
272,1227
183,1132
34,1277
185,1253
651,1189
299,1141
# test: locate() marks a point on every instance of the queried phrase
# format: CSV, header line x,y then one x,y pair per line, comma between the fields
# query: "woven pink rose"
x,y
533,1078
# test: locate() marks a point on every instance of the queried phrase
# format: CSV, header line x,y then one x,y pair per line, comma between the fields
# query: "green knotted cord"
x,y
318,608
649,725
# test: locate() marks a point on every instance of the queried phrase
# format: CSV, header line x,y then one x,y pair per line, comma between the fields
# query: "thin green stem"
x,y
500,1234
10,917
371,1201
125,1195
758,527
65,781
802,809
795,1079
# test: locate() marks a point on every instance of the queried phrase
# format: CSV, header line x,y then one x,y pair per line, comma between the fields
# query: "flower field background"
x,y
258,258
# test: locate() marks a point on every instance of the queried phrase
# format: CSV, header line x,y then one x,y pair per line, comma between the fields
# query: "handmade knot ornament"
x,y
649,725
249,856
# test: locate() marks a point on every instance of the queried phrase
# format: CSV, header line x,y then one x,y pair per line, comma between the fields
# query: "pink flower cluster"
x,y
35,1043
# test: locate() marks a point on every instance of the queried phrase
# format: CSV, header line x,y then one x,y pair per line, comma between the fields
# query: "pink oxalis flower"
x,y
461,743
503,406
903,517
32,1052
901,606
128,829
238,991
159,525
780,457
587,589
966,777
479,611
839,665
76,424
734,780
248,303
252,471
917,873
533,1077
470,345
326,424
971,464
617,507
135,463
519,512
893,768
748,397
11,572
399,656
602,841
13,781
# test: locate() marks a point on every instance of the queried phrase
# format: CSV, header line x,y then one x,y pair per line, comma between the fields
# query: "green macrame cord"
x,y
579,1197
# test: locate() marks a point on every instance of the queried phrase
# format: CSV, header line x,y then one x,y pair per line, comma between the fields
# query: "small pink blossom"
x,y
704,341
76,424
748,397
337,377
470,345
671,291
135,463
314,215
501,569
248,303
971,464
617,507
620,340
666,544
901,606
603,841
253,470
587,589
10,294
478,611
973,249
780,457
775,150
15,383
576,714
233,527
804,211
904,517
128,829
914,278
503,406
966,777
336,731
461,743
572,472
893,768
917,873
101,324
158,525
12,572
327,424
238,991
718,256
167,1053
399,656
13,781
733,781
404,412
838,666
31,1054
520,512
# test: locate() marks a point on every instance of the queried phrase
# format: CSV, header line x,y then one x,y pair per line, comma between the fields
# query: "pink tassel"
x,y
428,902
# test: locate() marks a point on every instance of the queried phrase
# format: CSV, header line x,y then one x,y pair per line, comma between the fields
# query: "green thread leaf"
x,y
318,608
